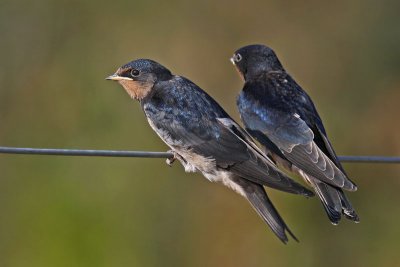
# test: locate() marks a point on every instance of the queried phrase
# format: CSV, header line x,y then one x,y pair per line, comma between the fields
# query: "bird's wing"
x,y
291,134
258,160
217,142
321,139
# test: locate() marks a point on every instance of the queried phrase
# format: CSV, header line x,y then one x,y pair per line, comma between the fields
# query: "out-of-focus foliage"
x,y
58,211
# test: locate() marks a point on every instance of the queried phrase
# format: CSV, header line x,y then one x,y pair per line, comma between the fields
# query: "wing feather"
x,y
295,138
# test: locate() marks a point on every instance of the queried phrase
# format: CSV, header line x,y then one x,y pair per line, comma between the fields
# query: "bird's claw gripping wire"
x,y
172,159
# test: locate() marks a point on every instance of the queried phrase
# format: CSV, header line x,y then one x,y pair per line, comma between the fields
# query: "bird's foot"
x,y
172,159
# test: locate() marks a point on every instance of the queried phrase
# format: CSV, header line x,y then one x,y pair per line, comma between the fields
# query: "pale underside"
x,y
193,162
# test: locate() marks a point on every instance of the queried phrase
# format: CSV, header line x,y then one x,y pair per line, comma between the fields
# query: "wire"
x,y
148,154
369,159
84,152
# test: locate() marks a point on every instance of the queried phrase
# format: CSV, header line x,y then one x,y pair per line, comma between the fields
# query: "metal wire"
x,y
369,159
148,154
84,152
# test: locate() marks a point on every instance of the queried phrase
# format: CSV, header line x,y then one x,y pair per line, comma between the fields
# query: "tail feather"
x,y
334,201
348,210
260,202
330,199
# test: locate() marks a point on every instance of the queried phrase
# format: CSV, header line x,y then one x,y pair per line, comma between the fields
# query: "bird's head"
x,y
139,76
254,60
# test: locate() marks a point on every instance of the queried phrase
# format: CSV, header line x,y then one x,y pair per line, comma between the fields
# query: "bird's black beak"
x,y
116,77
233,60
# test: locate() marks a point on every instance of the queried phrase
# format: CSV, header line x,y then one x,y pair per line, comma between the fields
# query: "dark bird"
x,y
204,138
279,114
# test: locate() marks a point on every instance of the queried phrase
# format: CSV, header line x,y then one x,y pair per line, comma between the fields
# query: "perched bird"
x,y
279,114
204,138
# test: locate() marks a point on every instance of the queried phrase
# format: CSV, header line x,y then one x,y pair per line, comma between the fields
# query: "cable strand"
x,y
151,154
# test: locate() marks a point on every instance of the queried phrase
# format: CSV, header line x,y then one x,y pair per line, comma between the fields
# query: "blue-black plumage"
x,y
204,138
282,117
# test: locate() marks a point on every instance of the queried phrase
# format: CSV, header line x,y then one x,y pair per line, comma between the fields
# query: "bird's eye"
x,y
135,72
237,57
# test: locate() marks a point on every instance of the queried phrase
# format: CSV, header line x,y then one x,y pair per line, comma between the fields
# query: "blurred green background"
x,y
62,211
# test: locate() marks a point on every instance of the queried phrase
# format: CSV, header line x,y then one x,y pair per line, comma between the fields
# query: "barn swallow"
x,y
204,138
279,114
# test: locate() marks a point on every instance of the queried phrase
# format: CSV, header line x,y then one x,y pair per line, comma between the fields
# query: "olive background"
x,y
86,211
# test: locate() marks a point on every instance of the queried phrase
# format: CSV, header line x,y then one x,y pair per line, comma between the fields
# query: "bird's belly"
x,y
210,171
227,179
195,161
